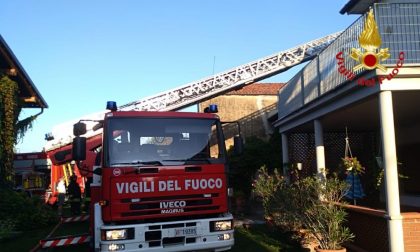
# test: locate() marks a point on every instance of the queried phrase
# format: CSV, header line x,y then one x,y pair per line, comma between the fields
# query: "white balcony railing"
x,y
399,27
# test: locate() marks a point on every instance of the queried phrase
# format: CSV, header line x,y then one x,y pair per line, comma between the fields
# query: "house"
x,y
10,66
27,176
252,106
365,87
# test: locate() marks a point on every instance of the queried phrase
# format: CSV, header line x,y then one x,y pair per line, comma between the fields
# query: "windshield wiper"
x,y
187,160
139,163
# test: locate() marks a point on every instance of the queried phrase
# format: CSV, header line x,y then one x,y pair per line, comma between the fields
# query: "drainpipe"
x,y
285,153
319,145
42,111
395,229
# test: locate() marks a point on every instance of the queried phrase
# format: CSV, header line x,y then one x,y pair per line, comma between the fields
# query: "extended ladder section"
x,y
201,90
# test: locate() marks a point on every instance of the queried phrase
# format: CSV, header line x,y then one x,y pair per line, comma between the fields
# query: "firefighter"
x,y
75,195
61,189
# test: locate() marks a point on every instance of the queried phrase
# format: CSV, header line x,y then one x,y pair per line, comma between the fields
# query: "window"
x,y
164,141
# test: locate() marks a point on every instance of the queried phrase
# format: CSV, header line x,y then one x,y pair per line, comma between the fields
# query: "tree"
x,y
257,153
11,129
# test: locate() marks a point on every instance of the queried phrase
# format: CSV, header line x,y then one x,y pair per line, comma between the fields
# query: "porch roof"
x,y
28,92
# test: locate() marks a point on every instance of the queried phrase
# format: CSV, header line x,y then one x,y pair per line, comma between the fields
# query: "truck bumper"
x,y
188,235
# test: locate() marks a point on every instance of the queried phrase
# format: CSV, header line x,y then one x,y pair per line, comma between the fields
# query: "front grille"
x,y
190,240
156,205
140,213
173,240
173,197
167,226
152,206
201,208
154,244
154,235
128,214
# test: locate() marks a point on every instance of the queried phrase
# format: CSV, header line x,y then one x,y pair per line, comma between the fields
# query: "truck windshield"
x,y
163,141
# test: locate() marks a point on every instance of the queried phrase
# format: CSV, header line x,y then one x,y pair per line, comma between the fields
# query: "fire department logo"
x,y
371,55
116,172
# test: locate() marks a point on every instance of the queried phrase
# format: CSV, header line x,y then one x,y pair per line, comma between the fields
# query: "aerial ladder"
x,y
203,89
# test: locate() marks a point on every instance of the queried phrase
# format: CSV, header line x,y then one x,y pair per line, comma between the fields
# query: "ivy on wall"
x,y
11,129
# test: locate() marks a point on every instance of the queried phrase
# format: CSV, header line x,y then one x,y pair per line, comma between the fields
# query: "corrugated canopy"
x,y
10,65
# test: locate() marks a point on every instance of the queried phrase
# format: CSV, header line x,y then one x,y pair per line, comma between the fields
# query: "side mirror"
x,y
79,148
79,129
238,145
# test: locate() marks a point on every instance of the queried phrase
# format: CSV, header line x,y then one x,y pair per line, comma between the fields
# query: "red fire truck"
x,y
160,181
31,172
63,167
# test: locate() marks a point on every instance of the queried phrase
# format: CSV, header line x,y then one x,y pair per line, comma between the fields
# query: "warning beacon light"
x,y
212,108
111,105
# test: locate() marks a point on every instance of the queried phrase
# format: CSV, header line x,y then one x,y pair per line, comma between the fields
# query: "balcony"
x,y
320,81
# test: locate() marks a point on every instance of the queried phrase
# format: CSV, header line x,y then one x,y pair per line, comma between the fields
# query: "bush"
x,y
26,213
256,153
266,185
6,228
309,203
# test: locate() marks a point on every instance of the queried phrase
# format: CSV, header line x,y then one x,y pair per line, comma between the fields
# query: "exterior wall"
x,y
371,230
369,227
411,227
250,110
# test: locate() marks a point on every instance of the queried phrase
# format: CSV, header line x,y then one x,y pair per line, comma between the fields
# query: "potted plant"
x,y
323,217
352,165
309,204
352,170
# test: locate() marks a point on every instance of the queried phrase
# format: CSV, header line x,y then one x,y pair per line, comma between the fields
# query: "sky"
x,y
80,54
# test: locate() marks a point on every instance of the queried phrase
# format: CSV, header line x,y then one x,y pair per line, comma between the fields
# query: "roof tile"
x,y
258,89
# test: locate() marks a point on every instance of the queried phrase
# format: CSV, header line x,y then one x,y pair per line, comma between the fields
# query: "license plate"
x,y
186,231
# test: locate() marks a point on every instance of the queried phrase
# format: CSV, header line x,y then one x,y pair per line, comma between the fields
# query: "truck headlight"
x,y
117,234
220,225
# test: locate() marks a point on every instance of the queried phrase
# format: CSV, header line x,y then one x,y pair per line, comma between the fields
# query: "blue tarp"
x,y
356,190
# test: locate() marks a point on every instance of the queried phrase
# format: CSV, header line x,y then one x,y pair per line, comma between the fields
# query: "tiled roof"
x,y
258,89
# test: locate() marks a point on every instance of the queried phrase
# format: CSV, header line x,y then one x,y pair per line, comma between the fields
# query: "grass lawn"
x,y
26,241
262,239
256,238
29,239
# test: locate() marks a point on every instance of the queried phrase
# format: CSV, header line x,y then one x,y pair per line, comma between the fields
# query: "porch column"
x,y
285,154
319,145
395,230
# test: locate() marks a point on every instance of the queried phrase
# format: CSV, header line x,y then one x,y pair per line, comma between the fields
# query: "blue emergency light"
x,y
111,105
212,108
